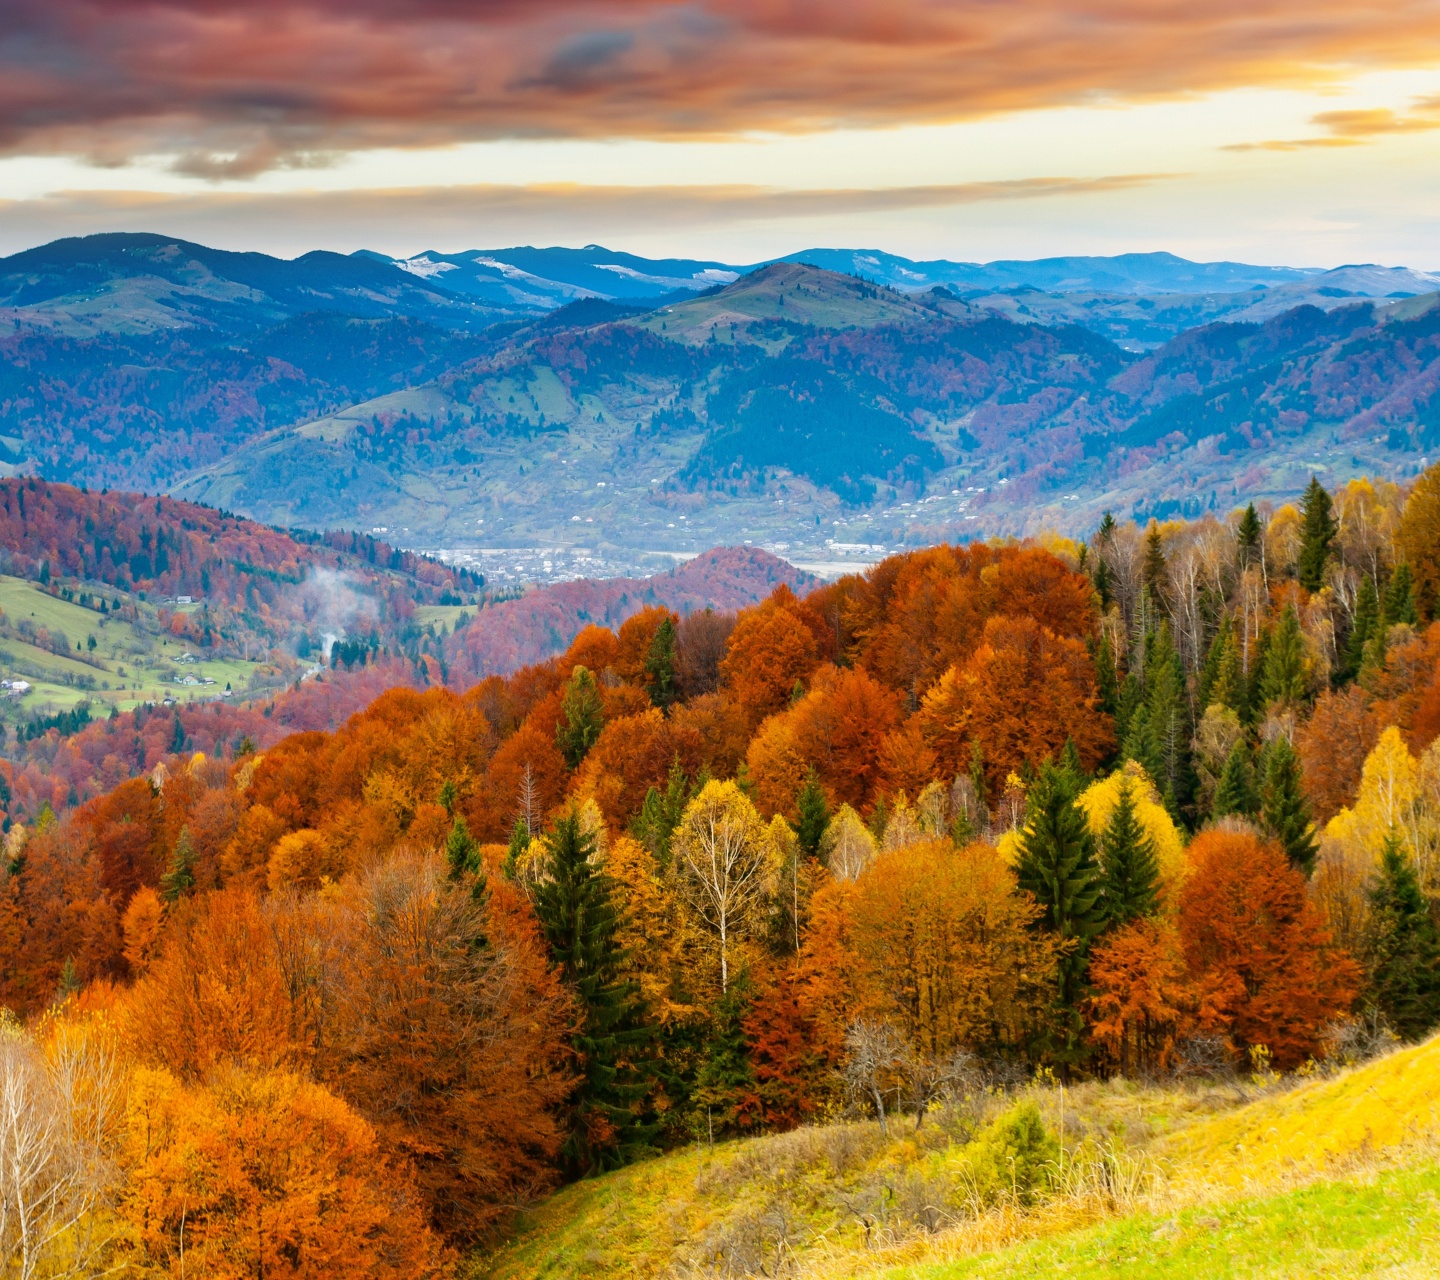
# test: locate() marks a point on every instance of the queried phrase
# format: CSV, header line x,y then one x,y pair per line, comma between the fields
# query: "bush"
x,y
1013,1156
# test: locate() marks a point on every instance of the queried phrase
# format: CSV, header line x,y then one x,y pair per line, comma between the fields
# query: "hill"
x,y
1190,1183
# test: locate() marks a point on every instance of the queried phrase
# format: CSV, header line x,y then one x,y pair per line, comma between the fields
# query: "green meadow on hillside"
x,y
131,662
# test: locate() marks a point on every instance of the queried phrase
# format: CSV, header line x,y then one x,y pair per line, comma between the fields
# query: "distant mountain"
x,y
1126,273
545,278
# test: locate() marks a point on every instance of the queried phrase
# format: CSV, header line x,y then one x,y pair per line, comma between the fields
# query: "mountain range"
x,y
540,413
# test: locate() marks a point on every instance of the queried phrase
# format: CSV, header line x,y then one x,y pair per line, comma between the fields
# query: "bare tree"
x,y
57,1114
527,794
926,1079
721,851
874,1056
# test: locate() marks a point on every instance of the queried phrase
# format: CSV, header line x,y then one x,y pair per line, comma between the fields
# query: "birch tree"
x,y
722,857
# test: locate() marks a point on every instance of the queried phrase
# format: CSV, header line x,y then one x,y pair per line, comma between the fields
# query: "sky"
x,y
1304,132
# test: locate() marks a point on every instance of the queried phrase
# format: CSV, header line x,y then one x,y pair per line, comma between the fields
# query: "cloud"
x,y
235,86
480,216
1355,127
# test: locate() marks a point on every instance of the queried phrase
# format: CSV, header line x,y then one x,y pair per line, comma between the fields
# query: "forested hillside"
x,y
1160,802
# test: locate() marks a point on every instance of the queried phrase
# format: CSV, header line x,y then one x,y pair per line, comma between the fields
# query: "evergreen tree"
x,y
1247,538
1362,630
1318,529
1166,723
1283,677
814,814
177,737
1400,599
448,796
1155,579
1106,685
660,666
1131,869
1403,947
1284,811
1057,865
179,877
581,717
1254,703
461,851
1219,680
519,844
1106,533
1131,696
1235,791
577,907
69,982
1104,581
725,1077
977,779
661,811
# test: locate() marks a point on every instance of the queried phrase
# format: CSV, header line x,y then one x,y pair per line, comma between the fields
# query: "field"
x,y
1251,1177
131,663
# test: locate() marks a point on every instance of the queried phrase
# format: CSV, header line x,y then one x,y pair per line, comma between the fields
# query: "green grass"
x,y
1388,1225
137,664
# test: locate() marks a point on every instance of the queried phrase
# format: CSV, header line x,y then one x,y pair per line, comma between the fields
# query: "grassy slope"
x,y
1248,1182
148,661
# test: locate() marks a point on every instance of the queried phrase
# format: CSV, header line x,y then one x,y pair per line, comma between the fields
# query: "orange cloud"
x,y
1353,127
237,86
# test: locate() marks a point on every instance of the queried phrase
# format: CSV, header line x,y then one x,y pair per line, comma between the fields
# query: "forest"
x,y
1163,803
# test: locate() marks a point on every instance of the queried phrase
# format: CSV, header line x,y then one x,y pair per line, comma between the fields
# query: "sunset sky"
x,y
1268,130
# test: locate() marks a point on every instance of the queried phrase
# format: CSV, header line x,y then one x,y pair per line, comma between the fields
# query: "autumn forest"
x,y
1160,804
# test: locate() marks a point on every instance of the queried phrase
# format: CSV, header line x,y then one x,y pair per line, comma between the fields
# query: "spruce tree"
x,y
577,907
461,851
977,779
1131,869
1362,629
1155,578
814,815
581,717
179,876
1166,728
1253,707
1283,677
1403,947
1247,538
1107,687
660,666
1104,582
1131,695
1235,791
1057,864
1318,529
1400,599
1284,811
661,811
1219,680
725,1077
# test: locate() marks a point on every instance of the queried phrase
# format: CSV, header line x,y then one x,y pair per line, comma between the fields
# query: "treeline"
x,y
1122,807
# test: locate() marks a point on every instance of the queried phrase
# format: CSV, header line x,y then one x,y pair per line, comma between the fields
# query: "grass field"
x,y
136,663
1329,1175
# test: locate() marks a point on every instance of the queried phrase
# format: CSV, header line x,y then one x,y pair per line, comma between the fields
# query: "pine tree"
x,y
177,737
1131,869
1283,677
577,907
1235,791
1247,538
1104,581
1219,680
1284,811
449,793
581,717
1166,728
1107,687
661,812
977,778
1155,578
179,877
1403,947
1400,599
1132,694
814,814
1057,865
461,851
725,1077
1362,629
1317,532
660,666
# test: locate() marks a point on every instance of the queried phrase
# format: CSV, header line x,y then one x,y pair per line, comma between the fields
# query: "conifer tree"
x,y
1106,685
1131,695
1155,579
179,876
461,851
1159,738
1057,865
1235,790
1362,629
1318,529
661,811
577,907
1283,677
1400,599
1247,538
1254,703
814,815
1403,947
977,778
1131,869
1104,581
1220,676
581,717
726,1076
1284,811
660,666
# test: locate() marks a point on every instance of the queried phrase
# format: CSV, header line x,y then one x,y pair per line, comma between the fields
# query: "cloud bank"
x,y
235,87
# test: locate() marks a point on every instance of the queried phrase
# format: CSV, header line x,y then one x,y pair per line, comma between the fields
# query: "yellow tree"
x,y
723,857
1099,801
